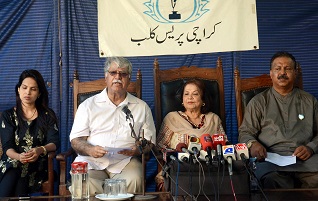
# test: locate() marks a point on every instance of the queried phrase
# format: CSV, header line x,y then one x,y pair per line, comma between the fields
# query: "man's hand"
x,y
258,150
82,147
97,151
303,152
134,151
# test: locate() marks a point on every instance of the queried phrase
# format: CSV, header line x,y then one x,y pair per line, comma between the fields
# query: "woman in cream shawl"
x,y
196,118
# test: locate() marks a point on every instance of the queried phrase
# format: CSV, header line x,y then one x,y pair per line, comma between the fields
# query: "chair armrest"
x,y
64,155
62,158
48,186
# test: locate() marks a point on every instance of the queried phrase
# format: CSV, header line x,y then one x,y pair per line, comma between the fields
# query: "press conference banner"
x,y
174,27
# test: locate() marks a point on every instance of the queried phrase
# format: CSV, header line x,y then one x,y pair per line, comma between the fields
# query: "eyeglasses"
x,y
287,70
121,74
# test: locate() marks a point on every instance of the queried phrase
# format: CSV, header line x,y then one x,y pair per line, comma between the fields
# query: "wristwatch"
x,y
250,143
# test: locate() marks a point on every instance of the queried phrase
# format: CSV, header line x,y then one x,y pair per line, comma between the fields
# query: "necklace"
x,y
32,115
196,126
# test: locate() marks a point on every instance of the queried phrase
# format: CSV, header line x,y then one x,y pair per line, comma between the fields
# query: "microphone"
x,y
242,155
206,142
194,145
203,155
169,154
182,147
128,116
127,112
241,152
184,156
218,139
219,152
166,168
172,157
229,156
218,142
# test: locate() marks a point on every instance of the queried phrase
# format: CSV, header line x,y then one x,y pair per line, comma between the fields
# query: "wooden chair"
x,y
48,186
247,88
168,84
82,91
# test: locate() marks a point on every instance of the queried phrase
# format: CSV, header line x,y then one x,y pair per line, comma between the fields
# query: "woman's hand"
x,y
23,158
31,156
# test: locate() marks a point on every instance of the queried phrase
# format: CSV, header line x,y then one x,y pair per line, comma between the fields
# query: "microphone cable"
x,y
177,180
232,187
215,192
132,125
190,174
252,175
203,175
172,180
219,183
199,178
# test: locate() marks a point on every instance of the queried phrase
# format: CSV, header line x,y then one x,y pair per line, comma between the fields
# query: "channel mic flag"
x,y
229,156
132,28
241,151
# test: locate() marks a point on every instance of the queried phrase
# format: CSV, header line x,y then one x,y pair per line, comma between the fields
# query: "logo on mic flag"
x,y
240,146
207,138
228,150
218,138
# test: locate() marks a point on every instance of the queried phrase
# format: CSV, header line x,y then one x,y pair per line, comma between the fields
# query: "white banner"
x,y
174,27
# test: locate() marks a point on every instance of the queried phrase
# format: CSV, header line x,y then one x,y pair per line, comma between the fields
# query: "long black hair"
x,y
41,102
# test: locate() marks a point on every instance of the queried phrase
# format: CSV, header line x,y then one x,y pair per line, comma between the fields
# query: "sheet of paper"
x,y
114,151
280,160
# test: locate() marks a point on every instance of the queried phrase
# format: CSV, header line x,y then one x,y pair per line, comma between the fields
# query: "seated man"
x,y
100,125
283,120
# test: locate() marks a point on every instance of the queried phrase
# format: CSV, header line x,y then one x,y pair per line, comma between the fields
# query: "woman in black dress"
x,y
28,131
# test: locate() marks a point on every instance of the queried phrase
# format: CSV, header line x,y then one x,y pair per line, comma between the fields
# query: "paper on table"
x,y
280,160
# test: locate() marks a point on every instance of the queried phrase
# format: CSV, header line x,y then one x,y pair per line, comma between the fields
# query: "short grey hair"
x,y
120,61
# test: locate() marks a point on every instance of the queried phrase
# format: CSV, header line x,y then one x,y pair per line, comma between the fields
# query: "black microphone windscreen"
x,y
126,110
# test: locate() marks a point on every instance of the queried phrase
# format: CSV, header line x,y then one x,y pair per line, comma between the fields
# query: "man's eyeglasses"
x,y
121,74
287,70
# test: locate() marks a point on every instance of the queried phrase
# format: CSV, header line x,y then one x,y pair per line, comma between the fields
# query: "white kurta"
x,y
105,124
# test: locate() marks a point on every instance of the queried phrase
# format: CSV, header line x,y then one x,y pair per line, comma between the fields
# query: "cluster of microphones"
x,y
213,149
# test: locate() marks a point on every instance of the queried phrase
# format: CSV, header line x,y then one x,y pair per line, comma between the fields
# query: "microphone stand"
x,y
133,133
252,175
143,196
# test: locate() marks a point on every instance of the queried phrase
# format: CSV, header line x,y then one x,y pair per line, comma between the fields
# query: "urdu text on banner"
x,y
175,27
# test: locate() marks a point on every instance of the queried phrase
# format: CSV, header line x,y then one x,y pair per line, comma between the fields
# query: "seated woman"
x,y
196,119
28,131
